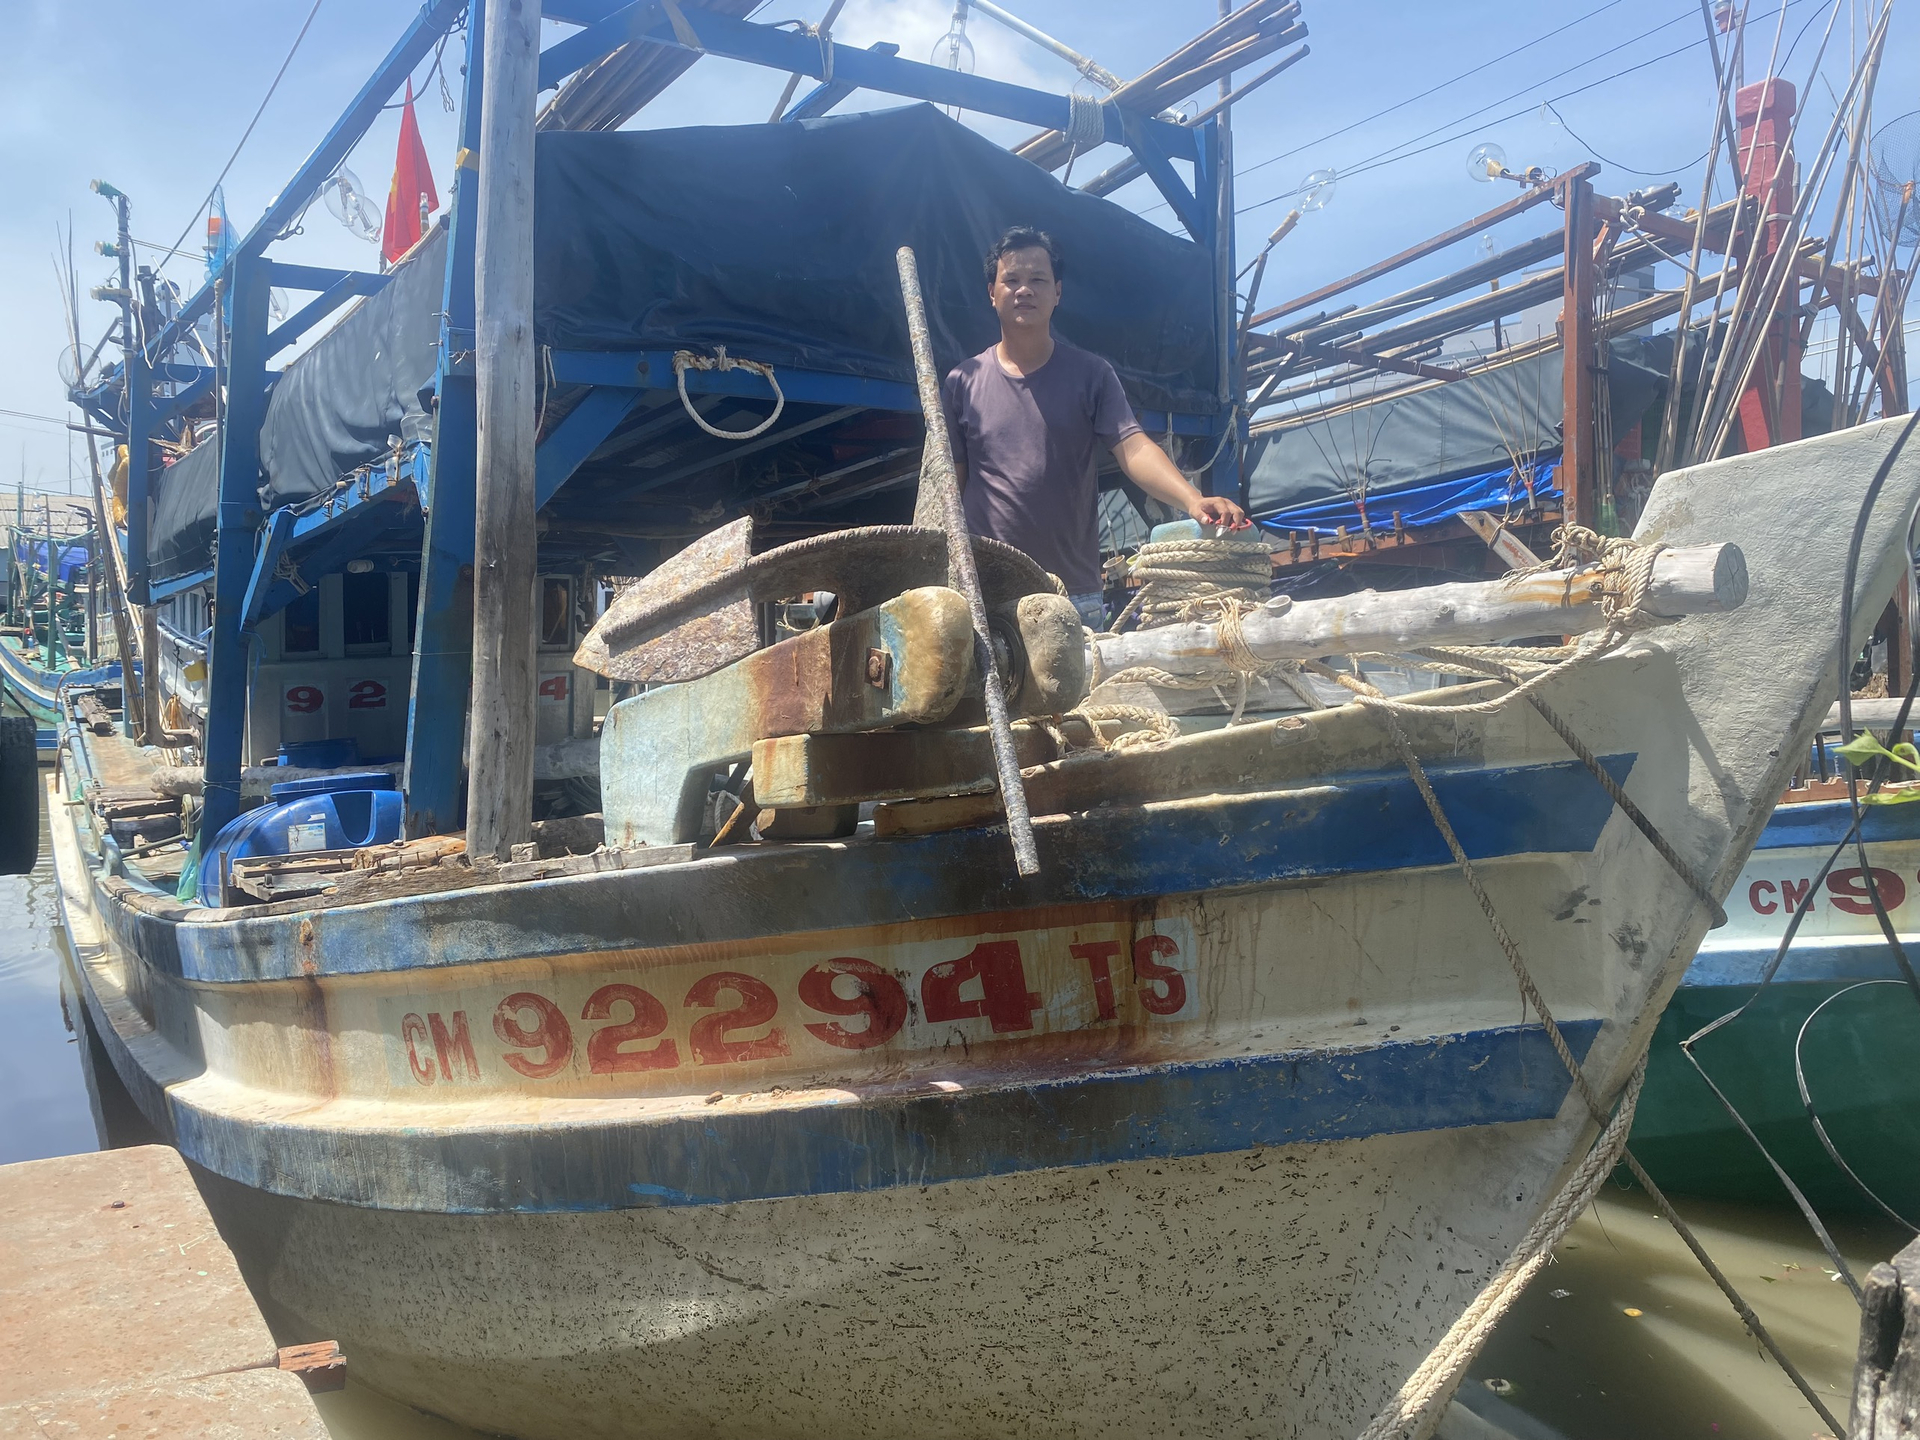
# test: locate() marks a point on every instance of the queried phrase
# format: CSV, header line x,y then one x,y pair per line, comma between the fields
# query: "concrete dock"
x,y
123,1314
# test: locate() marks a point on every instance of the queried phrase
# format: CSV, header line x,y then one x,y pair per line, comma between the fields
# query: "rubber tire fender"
x,y
19,795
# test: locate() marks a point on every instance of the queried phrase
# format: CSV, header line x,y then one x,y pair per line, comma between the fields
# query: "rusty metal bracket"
x,y
695,614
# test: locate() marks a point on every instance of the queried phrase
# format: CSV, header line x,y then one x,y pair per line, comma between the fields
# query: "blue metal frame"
x,y
443,632
237,517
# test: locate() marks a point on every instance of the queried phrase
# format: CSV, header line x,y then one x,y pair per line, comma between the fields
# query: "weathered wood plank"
x,y
1886,1376
500,742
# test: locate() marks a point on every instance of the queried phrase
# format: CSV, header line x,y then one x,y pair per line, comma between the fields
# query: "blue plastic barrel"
x,y
328,812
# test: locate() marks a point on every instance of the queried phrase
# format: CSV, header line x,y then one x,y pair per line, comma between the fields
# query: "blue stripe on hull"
x,y
1361,824
1483,1077
1824,822
1818,959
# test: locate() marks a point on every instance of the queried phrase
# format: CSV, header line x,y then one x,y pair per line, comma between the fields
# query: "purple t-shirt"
x,y
1027,450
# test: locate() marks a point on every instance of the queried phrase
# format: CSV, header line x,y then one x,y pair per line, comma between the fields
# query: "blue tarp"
x,y
33,554
1496,491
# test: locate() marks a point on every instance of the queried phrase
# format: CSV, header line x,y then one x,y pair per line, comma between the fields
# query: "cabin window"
x,y
301,632
556,613
366,612
413,605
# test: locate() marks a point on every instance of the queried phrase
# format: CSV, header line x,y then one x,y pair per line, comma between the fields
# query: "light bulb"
x,y
1486,161
954,50
1316,191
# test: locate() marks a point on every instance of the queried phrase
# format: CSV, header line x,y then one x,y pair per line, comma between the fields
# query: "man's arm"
x,y
1147,465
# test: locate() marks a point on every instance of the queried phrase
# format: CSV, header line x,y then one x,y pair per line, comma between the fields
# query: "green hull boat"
x,y
1838,1002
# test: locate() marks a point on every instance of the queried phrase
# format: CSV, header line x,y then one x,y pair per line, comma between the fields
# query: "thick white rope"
x,y
1086,128
685,360
1433,1378
1439,1374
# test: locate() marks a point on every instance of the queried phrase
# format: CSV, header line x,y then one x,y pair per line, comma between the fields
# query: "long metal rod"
x,y
1092,69
962,574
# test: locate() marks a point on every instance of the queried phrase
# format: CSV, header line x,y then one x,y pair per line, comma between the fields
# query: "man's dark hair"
x,y
1024,237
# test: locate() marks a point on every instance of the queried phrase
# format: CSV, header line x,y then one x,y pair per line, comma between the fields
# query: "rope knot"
x,y
685,360
1625,573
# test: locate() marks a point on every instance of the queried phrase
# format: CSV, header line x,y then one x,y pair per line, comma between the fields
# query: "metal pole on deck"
x,y
500,740
940,494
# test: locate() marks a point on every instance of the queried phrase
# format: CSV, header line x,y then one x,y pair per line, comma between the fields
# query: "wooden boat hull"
x,y
1856,1052
1212,1127
35,689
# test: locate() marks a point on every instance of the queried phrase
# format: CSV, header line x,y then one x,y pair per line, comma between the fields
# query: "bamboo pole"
x,y
500,740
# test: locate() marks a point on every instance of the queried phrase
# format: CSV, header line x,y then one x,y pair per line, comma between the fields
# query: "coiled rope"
x,y
1183,580
1214,581
685,360
1086,128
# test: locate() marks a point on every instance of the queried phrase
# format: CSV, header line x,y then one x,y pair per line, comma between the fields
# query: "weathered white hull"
x,y
1263,1293
1209,1130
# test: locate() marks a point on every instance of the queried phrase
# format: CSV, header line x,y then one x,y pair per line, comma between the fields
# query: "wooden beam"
x,y
1519,205
1354,355
1688,580
1577,465
500,743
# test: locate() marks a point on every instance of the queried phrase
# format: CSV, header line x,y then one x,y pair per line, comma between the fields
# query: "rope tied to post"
x,y
1626,573
1086,127
685,360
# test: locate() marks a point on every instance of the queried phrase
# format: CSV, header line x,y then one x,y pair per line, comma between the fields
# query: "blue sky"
x,y
153,95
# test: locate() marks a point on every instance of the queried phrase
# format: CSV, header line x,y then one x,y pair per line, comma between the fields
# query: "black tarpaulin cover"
x,y
776,241
341,405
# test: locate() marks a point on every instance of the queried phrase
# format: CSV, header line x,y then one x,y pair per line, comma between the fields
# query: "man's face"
x,y
1024,292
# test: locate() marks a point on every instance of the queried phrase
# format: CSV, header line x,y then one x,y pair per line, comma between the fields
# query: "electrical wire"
x,y
1615,164
1384,158
1379,160
27,415
1388,156
1819,1128
1431,90
174,249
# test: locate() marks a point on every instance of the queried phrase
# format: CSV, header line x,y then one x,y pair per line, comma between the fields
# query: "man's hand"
x,y
1218,510
1147,465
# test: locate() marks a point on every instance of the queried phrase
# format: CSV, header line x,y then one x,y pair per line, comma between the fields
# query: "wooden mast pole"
x,y
500,740
1577,462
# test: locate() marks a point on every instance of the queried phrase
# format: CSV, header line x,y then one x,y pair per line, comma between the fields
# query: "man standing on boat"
x,y
1029,416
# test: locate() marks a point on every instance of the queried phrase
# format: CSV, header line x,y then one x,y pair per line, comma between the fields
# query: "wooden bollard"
x,y
1886,1376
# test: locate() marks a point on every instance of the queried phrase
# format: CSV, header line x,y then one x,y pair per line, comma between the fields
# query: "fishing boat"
x,y
53,628
1820,1025
771,1084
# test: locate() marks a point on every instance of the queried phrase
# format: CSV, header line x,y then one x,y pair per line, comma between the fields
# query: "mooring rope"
x,y
1440,1371
685,360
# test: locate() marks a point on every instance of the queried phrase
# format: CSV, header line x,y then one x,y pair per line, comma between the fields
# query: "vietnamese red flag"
x,y
412,182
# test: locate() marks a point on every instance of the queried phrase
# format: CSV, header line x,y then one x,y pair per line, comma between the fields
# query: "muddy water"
x,y
1624,1334
1573,1356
